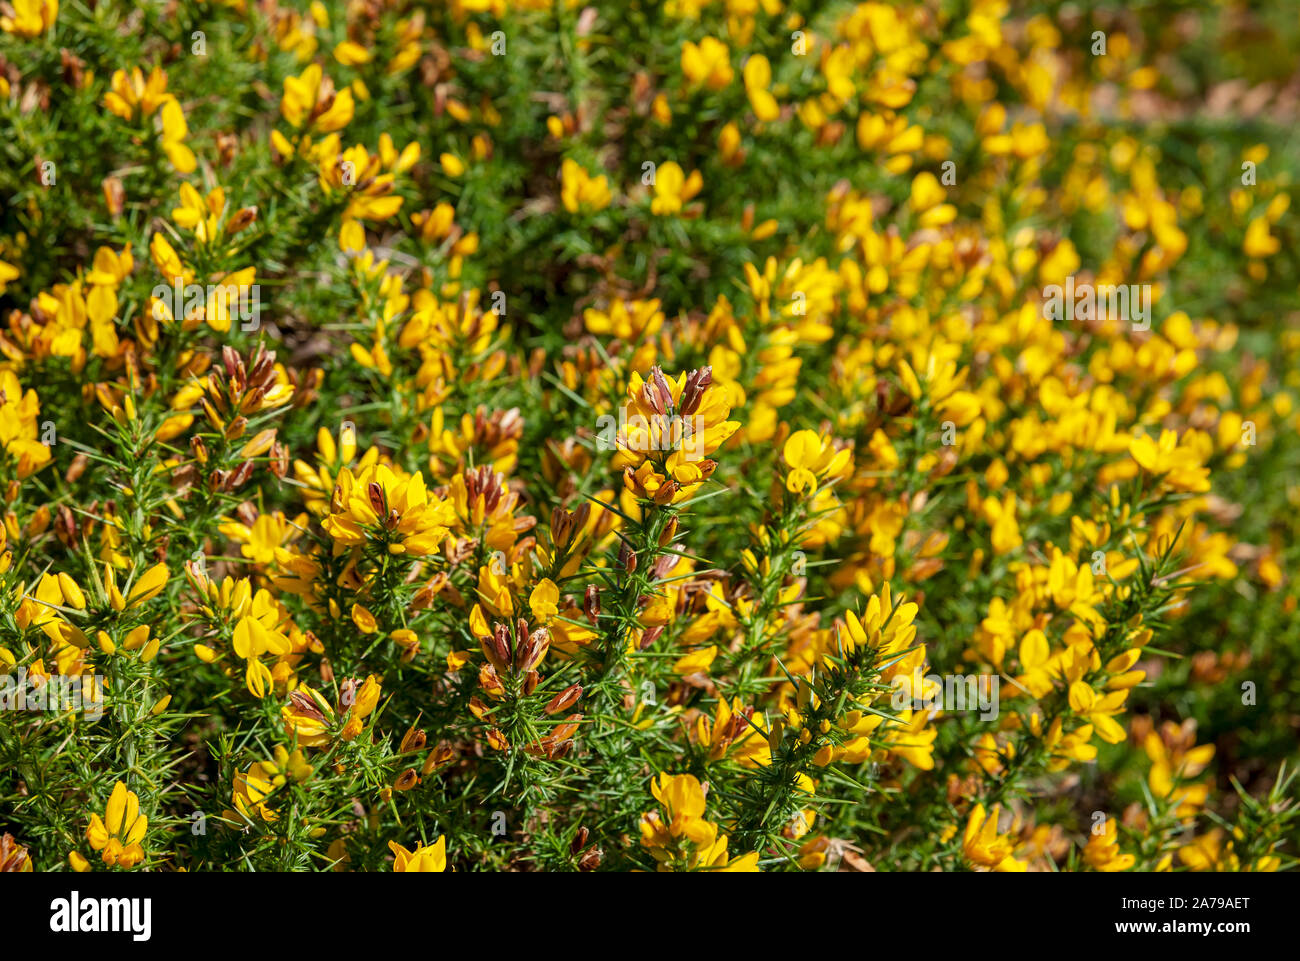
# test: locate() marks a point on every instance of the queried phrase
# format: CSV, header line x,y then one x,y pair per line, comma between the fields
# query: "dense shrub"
x,y
698,435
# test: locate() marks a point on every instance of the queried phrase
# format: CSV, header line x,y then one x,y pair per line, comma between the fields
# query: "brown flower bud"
x,y
561,527
651,635
413,740
665,494
627,557
243,218
531,651
591,604
663,392
375,494
406,780
305,706
564,700
496,647
668,533
279,460
579,840
114,195
241,475
697,382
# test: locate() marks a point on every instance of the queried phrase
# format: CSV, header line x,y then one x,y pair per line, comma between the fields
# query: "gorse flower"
x,y
425,857
982,844
119,835
581,191
311,102
682,839
672,428
31,18
379,505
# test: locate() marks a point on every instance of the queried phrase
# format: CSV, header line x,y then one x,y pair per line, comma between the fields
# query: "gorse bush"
x,y
631,436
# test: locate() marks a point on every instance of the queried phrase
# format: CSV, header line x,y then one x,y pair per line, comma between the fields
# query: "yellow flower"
x,y
31,19
264,778
686,840
580,190
311,102
147,585
174,132
452,165
1175,761
734,733
351,54
682,798
431,858
363,619
671,427
696,661
630,321
1177,463
984,847
884,625
707,64
1102,850
758,77
544,600
19,428
673,189
129,91
380,504
813,460
364,700
118,837
1259,242
308,717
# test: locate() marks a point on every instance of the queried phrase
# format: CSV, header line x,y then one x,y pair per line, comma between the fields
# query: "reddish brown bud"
x,y
241,475
242,219
651,635
564,700
496,647
665,494
532,649
697,382
668,533
662,390
406,780
375,494
627,557
561,527
579,840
